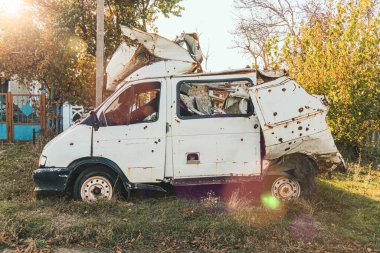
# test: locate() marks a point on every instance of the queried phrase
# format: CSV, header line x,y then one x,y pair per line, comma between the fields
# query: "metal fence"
x,y
22,116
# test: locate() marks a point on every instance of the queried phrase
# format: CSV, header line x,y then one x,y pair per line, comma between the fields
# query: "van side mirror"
x,y
95,120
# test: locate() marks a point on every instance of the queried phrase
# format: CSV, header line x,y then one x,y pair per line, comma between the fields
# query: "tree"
x,y
253,40
330,49
54,41
264,24
337,54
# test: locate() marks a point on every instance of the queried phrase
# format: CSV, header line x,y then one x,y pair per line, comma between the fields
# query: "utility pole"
x,y
99,51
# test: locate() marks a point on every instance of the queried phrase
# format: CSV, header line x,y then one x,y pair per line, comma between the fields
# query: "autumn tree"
x,y
331,49
261,24
337,54
54,41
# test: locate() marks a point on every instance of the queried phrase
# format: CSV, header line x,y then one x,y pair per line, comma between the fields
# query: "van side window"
x,y
139,103
214,99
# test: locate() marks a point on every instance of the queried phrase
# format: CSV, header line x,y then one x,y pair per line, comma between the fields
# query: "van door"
x,y
291,119
133,132
215,132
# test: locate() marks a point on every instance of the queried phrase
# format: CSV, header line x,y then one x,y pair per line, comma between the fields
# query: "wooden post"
x,y
43,112
99,51
9,115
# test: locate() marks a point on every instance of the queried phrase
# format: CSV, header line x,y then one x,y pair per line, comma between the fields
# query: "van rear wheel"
x,y
285,189
95,184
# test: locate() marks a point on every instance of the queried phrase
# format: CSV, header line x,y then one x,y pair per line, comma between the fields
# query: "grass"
x,y
344,216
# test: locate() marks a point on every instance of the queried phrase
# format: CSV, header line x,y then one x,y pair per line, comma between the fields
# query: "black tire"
x,y
97,183
273,184
286,188
300,168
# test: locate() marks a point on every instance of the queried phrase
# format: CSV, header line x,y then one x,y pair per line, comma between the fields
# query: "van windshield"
x,y
138,103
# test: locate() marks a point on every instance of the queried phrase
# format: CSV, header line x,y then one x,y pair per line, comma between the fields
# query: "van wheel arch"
x,y
299,167
78,166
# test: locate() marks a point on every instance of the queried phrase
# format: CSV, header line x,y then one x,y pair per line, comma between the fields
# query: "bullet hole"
x,y
272,132
290,143
156,142
275,114
307,107
299,128
97,141
300,110
145,127
308,124
292,132
307,129
287,149
152,151
293,119
71,143
298,122
286,126
159,140
255,126
300,134
269,90
241,139
280,140
283,89
118,141
259,97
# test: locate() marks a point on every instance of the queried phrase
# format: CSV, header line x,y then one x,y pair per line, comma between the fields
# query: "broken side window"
x,y
138,103
214,99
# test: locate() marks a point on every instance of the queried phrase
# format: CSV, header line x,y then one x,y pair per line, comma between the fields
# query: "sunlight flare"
x,y
11,7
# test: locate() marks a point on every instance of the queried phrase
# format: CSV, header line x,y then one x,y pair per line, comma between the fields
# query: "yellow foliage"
x,y
337,54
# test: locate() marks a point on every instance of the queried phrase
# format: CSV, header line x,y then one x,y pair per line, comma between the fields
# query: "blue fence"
x,y
3,116
22,116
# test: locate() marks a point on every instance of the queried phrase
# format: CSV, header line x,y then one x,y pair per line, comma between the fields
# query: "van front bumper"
x,y
51,179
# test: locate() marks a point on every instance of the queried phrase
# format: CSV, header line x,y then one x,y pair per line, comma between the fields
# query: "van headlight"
x,y
42,161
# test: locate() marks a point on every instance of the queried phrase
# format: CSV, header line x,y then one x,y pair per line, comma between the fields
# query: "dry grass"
x,y
343,217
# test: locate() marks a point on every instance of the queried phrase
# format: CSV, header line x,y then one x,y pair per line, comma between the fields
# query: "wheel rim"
x,y
96,187
286,189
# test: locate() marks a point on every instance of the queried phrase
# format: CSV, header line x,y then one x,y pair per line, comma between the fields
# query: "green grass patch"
x,y
343,217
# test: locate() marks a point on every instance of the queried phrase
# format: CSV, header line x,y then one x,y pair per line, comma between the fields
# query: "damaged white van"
x,y
164,124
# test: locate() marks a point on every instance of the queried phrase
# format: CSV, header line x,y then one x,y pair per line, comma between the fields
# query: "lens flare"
x,y
11,7
305,227
269,201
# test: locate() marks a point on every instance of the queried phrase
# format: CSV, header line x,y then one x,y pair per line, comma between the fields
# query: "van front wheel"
x,y
95,184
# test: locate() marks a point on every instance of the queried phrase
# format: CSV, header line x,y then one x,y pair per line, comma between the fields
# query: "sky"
x,y
213,20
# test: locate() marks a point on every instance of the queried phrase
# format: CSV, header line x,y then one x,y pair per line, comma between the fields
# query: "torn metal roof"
x,y
155,56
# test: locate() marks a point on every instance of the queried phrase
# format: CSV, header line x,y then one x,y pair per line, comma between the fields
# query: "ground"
x,y
344,216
